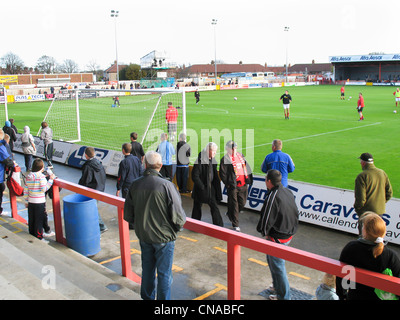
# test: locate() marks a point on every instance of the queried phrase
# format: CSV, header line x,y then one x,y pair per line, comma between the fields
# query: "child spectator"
x,y
35,188
327,289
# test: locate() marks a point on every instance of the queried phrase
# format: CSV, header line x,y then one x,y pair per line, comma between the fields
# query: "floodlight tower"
x,y
287,45
114,14
214,23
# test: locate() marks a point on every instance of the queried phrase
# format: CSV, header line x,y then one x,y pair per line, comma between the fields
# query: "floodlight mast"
x,y
214,23
287,45
114,14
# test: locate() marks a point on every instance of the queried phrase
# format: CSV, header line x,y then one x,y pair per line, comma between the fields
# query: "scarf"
x,y
243,163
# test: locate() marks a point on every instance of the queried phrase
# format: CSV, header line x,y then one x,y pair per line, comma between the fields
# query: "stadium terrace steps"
x,y
28,266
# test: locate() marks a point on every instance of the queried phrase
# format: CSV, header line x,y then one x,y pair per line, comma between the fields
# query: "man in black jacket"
x,y
93,176
207,185
279,218
130,168
236,174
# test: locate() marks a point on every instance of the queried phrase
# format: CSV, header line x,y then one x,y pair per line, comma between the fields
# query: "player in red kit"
x,y
171,117
360,106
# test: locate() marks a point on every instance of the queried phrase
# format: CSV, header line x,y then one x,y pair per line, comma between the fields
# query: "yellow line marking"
x,y
218,288
129,241
220,249
176,268
299,275
189,239
258,262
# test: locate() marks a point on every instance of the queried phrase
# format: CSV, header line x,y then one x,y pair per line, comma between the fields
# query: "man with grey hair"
x,y
154,206
207,185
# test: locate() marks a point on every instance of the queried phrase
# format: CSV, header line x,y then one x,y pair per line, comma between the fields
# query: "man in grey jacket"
x,y
154,206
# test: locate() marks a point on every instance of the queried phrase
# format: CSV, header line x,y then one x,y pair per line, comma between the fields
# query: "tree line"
x,y
11,63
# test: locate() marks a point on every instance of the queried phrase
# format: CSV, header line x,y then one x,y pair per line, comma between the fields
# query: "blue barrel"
x,y
81,221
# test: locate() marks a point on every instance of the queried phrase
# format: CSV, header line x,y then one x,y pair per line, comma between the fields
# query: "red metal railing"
x,y
235,240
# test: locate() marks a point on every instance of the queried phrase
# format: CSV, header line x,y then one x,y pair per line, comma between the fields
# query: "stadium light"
x,y
287,45
114,14
214,23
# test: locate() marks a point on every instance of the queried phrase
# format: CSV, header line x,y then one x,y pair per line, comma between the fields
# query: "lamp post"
x,y
114,14
287,45
214,23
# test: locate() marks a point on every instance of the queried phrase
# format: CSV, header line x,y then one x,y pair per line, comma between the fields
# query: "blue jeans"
x,y
156,257
279,277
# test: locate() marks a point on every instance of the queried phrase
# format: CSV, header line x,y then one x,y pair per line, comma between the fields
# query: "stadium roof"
x,y
365,58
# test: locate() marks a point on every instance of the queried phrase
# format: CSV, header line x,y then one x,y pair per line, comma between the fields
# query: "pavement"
x,y
200,262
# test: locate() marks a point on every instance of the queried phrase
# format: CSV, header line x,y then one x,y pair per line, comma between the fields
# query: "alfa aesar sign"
x,y
325,206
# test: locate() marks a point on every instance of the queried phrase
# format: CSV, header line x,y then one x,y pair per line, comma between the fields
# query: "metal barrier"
x,y
235,240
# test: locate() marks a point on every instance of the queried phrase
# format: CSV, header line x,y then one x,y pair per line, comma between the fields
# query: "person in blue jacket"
x,y
5,161
278,160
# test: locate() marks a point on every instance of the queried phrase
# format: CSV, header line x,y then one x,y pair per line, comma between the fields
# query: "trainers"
x,y
273,297
236,229
271,289
44,240
50,234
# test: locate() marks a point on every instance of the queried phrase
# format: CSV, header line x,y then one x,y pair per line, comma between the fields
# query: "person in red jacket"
x,y
171,117
360,106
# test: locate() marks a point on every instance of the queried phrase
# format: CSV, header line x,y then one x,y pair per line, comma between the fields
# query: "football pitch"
x,y
323,135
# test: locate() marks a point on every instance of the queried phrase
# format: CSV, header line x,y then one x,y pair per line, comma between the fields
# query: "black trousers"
x,y
237,197
2,188
166,171
215,214
37,219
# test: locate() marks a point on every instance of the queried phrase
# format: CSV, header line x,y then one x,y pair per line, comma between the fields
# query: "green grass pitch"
x,y
323,135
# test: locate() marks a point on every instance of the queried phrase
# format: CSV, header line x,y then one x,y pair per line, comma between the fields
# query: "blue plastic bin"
x,y
81,221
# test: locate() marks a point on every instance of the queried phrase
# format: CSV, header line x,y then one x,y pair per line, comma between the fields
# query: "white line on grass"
x,y
318,134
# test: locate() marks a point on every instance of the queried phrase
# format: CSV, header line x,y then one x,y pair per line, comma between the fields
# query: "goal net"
x,y
106,118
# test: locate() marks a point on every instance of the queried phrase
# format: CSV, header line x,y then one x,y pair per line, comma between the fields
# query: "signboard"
x,y
365,58
325,206
30,97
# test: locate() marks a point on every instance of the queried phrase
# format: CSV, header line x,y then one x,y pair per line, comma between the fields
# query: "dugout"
x,y
378,68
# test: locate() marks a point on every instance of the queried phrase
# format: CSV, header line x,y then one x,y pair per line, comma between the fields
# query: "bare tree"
x,y
12,63
69,66
93,66
46,64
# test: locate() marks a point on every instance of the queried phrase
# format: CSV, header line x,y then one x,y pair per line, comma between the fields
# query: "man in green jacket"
x,y
372,188
154,206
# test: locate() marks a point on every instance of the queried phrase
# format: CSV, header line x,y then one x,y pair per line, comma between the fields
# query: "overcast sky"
x,y
250,31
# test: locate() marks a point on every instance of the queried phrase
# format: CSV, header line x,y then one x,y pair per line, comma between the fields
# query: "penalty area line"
x,y
319,134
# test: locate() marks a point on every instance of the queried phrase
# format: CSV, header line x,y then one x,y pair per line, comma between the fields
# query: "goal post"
x,y
3,105
105,118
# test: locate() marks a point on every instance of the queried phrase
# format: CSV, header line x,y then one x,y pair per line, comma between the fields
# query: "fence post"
x,y
14,208
57,215
234,271
126,248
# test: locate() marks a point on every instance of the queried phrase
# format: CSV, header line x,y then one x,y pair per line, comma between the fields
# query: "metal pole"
x,y
214,23
114,14
287,45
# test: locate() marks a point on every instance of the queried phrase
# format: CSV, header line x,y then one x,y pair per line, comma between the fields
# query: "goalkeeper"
x,y
171,117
